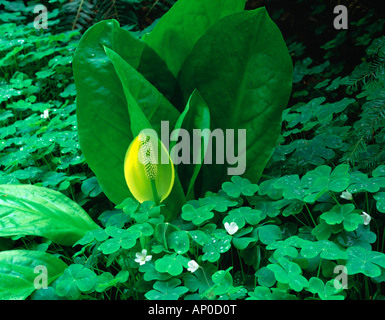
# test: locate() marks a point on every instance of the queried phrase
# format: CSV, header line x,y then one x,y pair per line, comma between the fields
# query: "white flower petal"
x,y
192,266
142,257
366,217
231,228
346,195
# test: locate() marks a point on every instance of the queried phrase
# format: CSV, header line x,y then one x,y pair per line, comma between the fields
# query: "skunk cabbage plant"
x,y
207,65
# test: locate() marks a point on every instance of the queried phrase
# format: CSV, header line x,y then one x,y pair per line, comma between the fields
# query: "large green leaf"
x,y
242,68
101,107
32,210
18,276
147,108
196,115
179,29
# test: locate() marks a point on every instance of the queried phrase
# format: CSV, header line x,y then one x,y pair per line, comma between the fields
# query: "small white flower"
x,y
45,114
192,266
366,217
346,195
231,228
142,257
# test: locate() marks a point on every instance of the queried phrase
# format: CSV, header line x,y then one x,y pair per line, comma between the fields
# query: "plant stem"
x,y
240,262
311,216
334,197
367,292
155,192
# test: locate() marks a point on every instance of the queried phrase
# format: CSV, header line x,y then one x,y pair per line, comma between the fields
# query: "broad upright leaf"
x,y
196,120
102,114
146,106
242,69
18,273
179,29
32,210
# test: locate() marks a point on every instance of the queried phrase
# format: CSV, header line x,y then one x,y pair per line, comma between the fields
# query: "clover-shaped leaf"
x,y
379,171
179,241
147,211
325,291
323,230
363,261
219,243
312,151
270,208
162,232
288,272
239,186
97,234
345,214
115,218
325,248
121,238
295,206
242,243
291,186
380,201
199,237
171,263
244,214
268,233
90,187
264,293
143,228
75,280
361,237
322,179
325,112
265,277
150,273
106,280
287,247
200,280
223,281
128,205
221,201
166,290
267,188
197,215
360,182
223,284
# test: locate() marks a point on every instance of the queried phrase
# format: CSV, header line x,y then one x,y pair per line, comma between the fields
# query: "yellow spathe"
x,y
146,176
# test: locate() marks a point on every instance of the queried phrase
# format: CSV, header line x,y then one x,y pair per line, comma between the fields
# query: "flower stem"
x,y
311,216
155,192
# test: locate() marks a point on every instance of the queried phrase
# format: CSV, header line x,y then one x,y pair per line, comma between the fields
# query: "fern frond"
x,y
372,67
78,13
354,151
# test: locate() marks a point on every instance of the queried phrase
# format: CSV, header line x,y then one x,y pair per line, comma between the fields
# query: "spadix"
x,y
146,176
